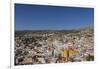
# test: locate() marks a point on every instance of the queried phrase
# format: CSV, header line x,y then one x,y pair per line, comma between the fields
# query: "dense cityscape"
x,y
53,46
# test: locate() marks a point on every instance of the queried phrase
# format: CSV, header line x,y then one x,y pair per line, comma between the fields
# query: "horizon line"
x,y
53,29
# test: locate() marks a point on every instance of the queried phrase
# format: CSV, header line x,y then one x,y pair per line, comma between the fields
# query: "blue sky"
x,y
43,17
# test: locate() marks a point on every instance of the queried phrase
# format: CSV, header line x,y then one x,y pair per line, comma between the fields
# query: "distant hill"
x,y
86,29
